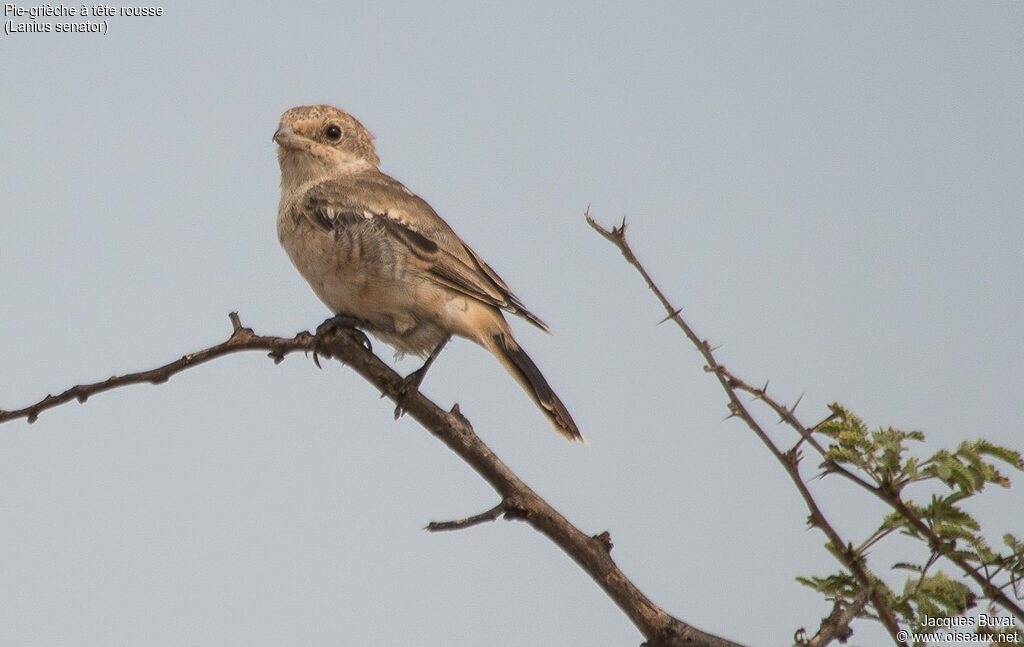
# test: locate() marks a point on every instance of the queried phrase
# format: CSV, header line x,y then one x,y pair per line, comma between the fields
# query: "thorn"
x,y
672,315
620,231
764,389
797,403
792,456
32,417
82,398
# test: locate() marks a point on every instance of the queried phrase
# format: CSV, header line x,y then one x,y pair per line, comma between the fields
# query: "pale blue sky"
x,y
831,191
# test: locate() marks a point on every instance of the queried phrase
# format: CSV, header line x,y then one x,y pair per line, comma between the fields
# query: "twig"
x,y
240,339
459,524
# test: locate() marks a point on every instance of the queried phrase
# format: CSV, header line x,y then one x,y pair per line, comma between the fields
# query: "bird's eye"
x,y
333,132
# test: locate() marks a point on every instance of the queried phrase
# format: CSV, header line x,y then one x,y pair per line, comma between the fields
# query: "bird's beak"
x,y
286,137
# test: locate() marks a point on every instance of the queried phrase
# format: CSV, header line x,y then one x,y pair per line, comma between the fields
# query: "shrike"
x,y
382,259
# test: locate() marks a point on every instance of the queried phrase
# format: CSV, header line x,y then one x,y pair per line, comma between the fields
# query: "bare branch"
x,y
240,339
518,500
459,524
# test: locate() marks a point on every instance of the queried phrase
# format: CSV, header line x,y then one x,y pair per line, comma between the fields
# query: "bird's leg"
x,y
414,379
345,323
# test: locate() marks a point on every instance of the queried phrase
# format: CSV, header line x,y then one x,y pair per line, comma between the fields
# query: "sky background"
x,y
831,191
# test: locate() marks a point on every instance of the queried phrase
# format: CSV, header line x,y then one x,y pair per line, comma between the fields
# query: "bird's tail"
x,y
518,363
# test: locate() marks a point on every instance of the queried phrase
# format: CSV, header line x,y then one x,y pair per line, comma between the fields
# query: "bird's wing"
x,y
411,222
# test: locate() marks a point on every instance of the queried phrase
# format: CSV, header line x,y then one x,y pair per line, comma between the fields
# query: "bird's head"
x,y
320,141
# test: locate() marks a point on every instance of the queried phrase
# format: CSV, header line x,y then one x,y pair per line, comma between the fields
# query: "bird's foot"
x,y
340,323
412,381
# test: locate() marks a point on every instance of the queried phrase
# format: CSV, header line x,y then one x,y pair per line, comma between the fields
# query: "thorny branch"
x,y
788,459
837,624
518,501
887,495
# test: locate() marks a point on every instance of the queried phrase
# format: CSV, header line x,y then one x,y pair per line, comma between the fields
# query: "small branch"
x,y
459,524
240,339
941,546
837,624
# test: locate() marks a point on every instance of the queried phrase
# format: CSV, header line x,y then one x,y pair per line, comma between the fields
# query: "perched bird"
x,y
382,259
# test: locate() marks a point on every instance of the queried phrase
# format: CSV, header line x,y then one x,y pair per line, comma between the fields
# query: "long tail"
x,y
518,363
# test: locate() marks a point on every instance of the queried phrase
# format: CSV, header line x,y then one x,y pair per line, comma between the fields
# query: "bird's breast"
x,y
357,269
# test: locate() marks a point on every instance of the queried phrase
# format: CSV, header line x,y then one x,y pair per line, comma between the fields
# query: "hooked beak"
x,y
286,138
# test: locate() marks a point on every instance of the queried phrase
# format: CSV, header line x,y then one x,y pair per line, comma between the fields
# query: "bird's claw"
x,y
343,323
348,324
410,382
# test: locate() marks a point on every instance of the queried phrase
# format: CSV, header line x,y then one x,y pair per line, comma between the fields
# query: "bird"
x,y
383,261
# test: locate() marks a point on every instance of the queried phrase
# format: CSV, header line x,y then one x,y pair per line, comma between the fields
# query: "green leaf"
x,y
1005,454
839,585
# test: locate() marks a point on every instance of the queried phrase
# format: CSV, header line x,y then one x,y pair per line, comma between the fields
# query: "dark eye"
x,y
333,132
